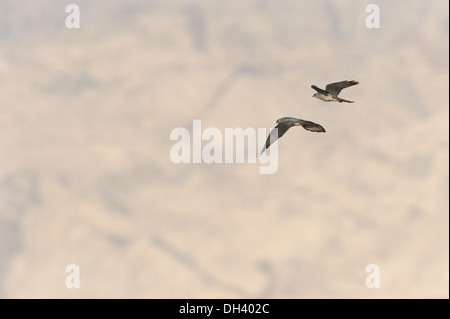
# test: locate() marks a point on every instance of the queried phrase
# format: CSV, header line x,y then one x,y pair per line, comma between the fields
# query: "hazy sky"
x,y
86,176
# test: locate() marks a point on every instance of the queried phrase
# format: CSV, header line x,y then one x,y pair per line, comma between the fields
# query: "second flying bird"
x,y
284,124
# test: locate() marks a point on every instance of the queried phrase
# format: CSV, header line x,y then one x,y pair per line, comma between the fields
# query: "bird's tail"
x,y
342,100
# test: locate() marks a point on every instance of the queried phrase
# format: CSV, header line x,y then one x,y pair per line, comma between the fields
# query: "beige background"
x,y
86,177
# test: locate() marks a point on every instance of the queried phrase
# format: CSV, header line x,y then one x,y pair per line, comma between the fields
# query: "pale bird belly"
x,y
327,98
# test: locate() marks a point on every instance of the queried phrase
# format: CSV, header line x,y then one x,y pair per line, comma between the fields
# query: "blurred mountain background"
x,y
85,170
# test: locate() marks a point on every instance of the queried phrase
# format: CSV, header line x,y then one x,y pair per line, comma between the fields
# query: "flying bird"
x,y
332,91
284,124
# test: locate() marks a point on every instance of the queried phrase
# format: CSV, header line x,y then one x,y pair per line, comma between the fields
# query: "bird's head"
x,y
314,95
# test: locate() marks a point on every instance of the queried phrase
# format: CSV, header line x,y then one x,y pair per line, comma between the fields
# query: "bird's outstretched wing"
x,y
277,132
337,87
319,90
311,126
284,124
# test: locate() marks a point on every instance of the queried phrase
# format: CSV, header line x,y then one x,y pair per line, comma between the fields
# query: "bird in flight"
x,y
332,91
284,124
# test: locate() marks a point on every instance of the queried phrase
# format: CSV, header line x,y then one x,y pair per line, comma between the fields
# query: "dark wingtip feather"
x,y
314,128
